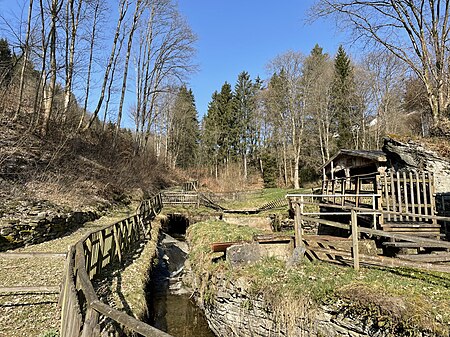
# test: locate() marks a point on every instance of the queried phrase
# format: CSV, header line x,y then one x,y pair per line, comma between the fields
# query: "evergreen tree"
x,y
185,129
210,133
344,99
5,62
227,122
244,92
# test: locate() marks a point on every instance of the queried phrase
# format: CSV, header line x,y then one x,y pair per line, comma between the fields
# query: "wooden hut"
x,y
367,179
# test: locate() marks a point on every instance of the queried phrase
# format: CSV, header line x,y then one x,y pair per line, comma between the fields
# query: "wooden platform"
x,y
429,230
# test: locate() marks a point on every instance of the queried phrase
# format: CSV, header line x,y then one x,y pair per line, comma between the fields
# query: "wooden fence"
x,y
300,200
181,198
81,310
399,193
190,186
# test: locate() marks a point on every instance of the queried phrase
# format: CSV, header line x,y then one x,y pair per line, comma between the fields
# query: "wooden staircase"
x,y
428,230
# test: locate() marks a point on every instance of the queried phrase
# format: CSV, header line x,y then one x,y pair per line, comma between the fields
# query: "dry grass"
x,y
230,180
32,315
124,288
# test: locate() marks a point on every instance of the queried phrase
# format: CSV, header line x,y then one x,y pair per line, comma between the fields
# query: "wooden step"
x,y
410,225
413,245
426,257
430,235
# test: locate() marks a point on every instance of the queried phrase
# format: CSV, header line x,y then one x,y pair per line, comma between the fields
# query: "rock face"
x,y
234,311
413,156
28,222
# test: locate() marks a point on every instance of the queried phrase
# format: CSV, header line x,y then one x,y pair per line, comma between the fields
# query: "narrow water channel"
x,y
171,308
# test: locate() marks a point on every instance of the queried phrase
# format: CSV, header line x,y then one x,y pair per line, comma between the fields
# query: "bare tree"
x,y
96,11
290,64
72,22
123,7
164,56
137,14
384,76
26,52
416,32
50,91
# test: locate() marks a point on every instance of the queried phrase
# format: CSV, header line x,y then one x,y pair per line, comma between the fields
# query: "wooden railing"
x,y
190,186
181,198
409,192
81,310
299,201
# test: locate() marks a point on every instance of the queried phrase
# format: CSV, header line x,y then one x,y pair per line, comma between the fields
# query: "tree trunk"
x,y
74,19
137,13
91,57
25,56
53,68
112,56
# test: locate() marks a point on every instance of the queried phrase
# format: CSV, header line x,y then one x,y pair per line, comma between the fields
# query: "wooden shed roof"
x,y
375,155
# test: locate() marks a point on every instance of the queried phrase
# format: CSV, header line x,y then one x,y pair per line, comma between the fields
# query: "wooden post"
x,y
405,194
357,190
354,224
298,224
419,198
432,196
399,195
411,190
386,196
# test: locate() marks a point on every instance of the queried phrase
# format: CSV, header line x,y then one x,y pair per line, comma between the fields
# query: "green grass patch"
x,y
403,301
260,198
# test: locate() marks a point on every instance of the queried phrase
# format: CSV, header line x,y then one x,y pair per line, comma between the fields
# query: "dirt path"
x,y
28,315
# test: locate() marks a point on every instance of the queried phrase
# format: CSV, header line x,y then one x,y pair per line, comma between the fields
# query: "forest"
x,y
118,71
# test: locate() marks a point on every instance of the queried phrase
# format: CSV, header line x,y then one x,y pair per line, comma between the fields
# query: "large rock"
x,y
413,156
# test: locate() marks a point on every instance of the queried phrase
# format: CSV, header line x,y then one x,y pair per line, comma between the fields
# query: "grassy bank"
x,y
400,300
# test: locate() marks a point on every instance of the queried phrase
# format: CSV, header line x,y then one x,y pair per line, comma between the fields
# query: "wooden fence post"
x,y
298,223
354,224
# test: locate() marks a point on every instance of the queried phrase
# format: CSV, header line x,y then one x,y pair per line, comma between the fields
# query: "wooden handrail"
x,y
85,260
298,202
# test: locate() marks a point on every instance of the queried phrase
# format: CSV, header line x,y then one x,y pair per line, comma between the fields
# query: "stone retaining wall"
x,y
34,222
233,311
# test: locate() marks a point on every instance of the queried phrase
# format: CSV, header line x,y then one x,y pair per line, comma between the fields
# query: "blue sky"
x,y
237,35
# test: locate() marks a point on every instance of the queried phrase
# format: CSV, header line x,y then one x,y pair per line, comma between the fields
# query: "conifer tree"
x,y
210,134
227,122
5,62
344,99
184,130
244,92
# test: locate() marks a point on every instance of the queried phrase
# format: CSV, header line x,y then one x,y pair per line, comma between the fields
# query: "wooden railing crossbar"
x,y
298,202
80,306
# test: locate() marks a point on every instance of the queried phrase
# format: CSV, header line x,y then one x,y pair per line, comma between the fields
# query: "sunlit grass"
x,y
260,198
397,299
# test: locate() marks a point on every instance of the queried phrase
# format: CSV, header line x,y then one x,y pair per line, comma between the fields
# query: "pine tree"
x,y
244,92
344,99
210,134
184,129
5,62
227,122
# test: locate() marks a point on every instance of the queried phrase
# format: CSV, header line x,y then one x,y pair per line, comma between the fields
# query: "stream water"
x,y
171,308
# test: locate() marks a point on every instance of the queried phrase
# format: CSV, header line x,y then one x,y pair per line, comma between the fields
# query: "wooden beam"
x,y
443,244
426,257
30,290
382,260
355,248
128,321
26,255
